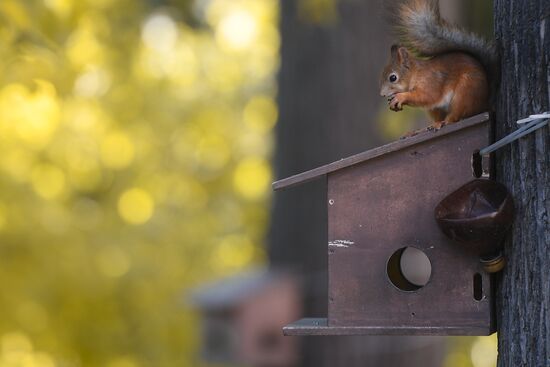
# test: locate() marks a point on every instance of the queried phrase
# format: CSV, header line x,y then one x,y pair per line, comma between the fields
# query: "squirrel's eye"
x,y
393,78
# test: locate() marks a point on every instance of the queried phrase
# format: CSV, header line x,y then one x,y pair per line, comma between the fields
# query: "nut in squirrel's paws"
x,y
396,102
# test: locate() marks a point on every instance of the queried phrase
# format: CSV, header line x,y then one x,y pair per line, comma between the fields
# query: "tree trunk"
x,y
328,102
522,29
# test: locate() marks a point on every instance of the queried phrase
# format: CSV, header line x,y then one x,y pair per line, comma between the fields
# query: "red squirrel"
x,y
439,66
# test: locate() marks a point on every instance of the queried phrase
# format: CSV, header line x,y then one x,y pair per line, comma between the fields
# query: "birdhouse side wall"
x,y
380,206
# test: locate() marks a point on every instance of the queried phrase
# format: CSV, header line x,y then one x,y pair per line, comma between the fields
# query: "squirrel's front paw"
x,y
436,126
396,102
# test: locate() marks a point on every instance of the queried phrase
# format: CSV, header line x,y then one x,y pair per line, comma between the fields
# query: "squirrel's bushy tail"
x,y
421,29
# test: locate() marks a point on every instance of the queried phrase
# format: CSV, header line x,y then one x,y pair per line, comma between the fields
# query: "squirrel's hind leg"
x,y
437,114
470,98
439,118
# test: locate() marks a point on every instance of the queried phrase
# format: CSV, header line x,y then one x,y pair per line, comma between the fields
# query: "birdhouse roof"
x,y
377,152
233,290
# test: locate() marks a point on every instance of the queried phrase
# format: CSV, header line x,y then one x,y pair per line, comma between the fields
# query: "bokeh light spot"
x,y
34,116
15,345
17,350
237,30
83,46
234,251
261,113
160,33
86,178
48,181
117,150
85,116
136,206
38,359
252,177
168,52
61,8
93,83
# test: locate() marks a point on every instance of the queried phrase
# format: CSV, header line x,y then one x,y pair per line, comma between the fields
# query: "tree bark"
x,y
328,103
522,29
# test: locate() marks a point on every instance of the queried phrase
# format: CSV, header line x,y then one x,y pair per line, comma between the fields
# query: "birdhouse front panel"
x,y
390,267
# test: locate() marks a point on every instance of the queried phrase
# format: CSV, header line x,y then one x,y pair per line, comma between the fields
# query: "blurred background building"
x,y
136,147
242,317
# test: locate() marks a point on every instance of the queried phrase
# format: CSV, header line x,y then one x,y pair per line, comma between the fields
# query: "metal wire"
x,y
531,123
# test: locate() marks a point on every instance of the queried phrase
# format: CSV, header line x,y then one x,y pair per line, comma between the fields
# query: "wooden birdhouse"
x,y
391,269
242,317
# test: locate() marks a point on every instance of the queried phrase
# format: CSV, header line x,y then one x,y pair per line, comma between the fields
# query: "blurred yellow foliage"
x,y
484,352
252,178
19,108
134,148
135,206
319,11
478,351
117,150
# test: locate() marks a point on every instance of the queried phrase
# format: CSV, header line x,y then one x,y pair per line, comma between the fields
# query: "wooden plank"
x,y
377,152
319,327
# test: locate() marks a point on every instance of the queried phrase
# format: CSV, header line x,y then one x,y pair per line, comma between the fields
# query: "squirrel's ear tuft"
x,y
403,56
394,49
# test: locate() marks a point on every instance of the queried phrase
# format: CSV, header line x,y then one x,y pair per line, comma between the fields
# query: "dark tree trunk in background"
x,y
328,100
522,29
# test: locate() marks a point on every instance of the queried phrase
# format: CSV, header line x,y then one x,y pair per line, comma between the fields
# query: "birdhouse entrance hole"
x,y
409,269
